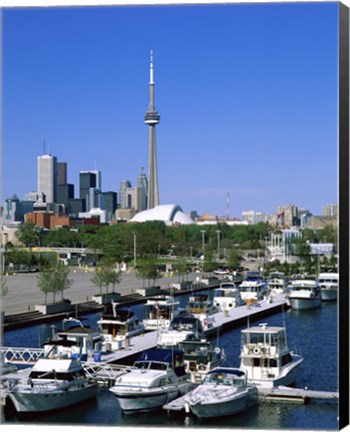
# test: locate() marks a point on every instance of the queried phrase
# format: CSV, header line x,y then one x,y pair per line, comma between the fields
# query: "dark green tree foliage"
x,y
28,234
148,271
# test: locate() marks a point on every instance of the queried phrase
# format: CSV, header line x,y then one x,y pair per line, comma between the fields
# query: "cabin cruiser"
x,y
53,383
201,307
117,326
266,358
227,297
224,391
162,310
157,377
74,339
277,283
253,288
200,357
180,329
304,294
328,283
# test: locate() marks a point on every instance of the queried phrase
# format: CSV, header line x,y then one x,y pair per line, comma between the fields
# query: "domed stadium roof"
x,y
168,213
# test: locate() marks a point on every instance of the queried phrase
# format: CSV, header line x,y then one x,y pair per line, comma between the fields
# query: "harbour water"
x,y
313,333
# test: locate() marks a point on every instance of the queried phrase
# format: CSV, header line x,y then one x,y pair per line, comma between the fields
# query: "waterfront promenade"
x,y
23,293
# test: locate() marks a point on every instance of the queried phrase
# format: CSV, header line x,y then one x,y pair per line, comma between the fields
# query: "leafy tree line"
x,y
116,242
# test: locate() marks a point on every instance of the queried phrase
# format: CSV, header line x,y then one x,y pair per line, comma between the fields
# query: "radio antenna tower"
x,y
228,206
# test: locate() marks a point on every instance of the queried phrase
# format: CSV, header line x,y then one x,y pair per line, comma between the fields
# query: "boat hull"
x,y
329,294
287,377
236,405
27,401
148,399
300,303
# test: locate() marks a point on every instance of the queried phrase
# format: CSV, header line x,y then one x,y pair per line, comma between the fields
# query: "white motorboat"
x,y
277,283
224,391
200,357
156,378
304,294
266,358
117,327
328,283
53,383
180,329
227,297
75,340
201,307
253,288
161,310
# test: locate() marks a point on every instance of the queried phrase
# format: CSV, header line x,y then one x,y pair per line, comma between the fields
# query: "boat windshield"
x,y
224,379
150,365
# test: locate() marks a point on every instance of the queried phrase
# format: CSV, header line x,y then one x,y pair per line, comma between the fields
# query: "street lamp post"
x,y
203,242
134,250
218,232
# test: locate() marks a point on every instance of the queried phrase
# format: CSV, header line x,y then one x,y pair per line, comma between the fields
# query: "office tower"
x,y
65,192
109,203
89,188
330,210
152,119
123,194
61,173
142,184
47,177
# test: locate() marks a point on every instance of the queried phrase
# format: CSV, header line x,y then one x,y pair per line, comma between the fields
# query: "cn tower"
x,y
152,119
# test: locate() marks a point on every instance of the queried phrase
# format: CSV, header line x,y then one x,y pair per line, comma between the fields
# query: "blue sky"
x,y
247,95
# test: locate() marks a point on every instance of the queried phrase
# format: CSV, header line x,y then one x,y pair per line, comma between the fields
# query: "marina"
x,y
228,323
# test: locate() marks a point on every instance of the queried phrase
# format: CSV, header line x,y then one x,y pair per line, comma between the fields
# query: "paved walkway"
x,y
23,293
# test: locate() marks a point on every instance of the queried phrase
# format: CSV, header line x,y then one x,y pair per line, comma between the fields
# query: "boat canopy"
x,y
161,354
220,371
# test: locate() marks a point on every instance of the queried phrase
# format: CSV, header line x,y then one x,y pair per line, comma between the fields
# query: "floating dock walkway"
x,y
223,321
276,394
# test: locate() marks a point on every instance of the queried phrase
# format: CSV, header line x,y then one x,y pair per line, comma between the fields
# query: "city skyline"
x,y
249,106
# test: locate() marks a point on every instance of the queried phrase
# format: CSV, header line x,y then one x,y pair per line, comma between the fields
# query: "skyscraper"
x,y
47,177
90,188
152,119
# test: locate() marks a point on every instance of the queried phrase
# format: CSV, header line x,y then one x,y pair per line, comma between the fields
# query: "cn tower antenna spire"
x,y
152,119
151,80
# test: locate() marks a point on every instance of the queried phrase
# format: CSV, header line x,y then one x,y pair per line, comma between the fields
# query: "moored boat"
x,y
277,283
201,307
117,326
200,357
224,391
304,294
53,383
227,296
157,377
161,310
180,329
329,285
253,288
74,339
266,357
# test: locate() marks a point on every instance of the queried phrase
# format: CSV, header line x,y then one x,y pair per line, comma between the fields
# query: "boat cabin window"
x,y
287,358
150,365
66,376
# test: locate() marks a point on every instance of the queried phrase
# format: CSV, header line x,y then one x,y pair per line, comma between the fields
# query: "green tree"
x,y
98,278
53,280
148,270
28,234
45,282
234,258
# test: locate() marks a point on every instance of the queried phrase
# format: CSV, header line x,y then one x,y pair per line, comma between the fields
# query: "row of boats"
x,y
192,369
184,364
